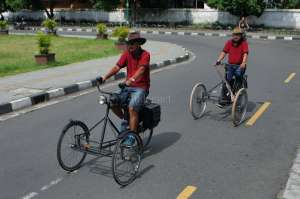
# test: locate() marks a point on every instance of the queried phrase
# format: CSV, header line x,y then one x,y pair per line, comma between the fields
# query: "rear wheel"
x,y
239,107
197,104
74,137
126,159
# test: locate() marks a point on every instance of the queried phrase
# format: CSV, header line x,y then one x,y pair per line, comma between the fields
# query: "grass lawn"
x,y
17,52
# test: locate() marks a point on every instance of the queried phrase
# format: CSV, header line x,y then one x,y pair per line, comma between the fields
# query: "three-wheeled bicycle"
x,y
237,92
75,140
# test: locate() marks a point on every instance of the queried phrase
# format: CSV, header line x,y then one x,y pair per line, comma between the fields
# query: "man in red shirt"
x,y
237,50
137,61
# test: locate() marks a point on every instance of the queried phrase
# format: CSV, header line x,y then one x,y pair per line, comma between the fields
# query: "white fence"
x,y
271,17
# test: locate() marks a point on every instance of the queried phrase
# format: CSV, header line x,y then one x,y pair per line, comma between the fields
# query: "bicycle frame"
x,y
232,96
102,144
106,119
213,97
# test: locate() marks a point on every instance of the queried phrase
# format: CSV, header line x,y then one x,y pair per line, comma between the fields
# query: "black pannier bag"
x,y
150,115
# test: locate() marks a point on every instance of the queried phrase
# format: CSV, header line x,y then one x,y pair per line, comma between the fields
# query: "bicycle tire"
x,y
61,160
120,153
239,110
198,99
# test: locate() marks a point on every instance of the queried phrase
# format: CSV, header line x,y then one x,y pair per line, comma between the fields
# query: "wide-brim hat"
x,y
237,31
135,37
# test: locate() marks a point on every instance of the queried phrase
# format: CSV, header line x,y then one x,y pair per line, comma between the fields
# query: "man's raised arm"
x,y
112,72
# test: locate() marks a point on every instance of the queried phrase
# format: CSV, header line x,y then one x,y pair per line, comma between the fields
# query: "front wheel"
x,y
126,158
72,141
239,107
197,103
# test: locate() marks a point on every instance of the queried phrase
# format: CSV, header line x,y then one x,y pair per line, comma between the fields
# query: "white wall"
x,y
280,18
271,17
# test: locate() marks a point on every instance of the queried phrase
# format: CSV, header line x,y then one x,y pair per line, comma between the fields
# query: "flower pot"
x,y
102,36
45,59
3,32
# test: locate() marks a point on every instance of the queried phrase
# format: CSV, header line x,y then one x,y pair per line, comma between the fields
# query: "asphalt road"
x,y
223,162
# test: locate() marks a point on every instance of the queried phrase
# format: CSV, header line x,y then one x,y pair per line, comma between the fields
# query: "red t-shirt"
x,y
235,53
127,60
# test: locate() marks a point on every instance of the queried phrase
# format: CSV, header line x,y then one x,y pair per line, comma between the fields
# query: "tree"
x,y
107,5
18,4
241,8
45,5
286,4
3,8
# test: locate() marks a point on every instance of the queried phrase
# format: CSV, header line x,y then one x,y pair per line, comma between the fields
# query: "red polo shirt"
x,y
235,53
132,64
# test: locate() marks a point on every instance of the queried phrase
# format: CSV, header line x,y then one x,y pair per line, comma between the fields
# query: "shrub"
x,y
121,32
50,24
101,28
44,43
3,24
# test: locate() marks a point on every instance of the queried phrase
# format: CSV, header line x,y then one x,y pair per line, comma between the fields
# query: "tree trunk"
x,y
50,12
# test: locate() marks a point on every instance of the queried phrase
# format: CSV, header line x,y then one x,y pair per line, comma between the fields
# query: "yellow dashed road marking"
x,y
258,114
290,77
187,192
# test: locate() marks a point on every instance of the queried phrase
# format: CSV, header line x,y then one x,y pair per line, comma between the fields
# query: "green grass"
x,y
17,52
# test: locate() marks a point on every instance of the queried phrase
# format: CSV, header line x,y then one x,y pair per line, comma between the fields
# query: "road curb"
x,y
205,34
26,102
212,34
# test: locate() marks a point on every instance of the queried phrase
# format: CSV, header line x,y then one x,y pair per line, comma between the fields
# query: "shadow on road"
x,y
224,114
103,165
160,142
252,106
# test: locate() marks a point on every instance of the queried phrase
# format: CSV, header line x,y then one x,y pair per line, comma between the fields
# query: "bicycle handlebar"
x,y
100,81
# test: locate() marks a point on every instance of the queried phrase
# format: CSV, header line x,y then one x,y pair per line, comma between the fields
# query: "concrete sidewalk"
x,y
23,86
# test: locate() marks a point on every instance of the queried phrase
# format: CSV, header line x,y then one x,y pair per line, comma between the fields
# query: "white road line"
x,y
52,183
30,195
292,188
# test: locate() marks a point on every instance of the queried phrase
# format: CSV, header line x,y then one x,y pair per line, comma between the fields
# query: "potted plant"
x,y
121,33
3,27
101,31
50,26
44,43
